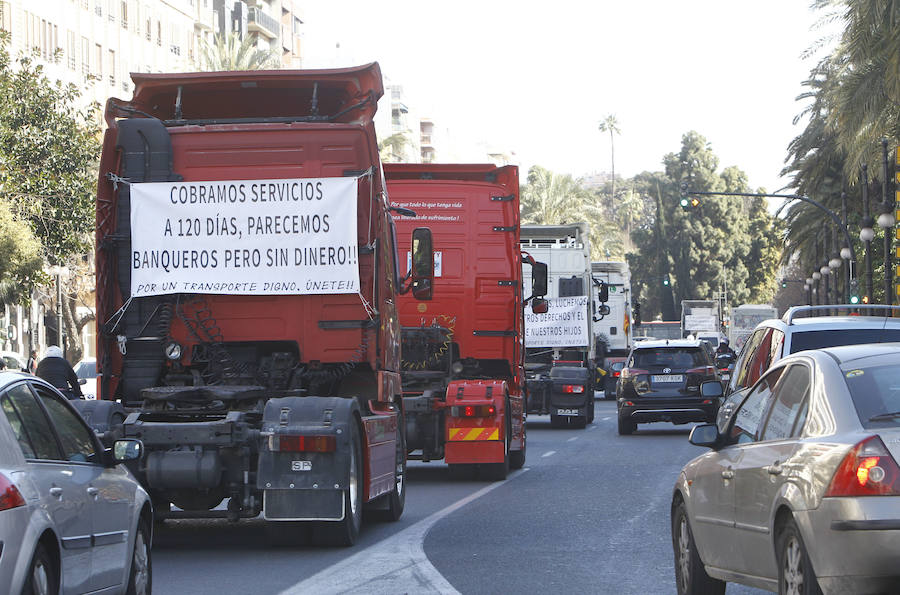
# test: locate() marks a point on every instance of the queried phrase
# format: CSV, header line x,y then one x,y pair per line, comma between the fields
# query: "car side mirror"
x,y
539,306
82,381
422,264
127,450
704,435
711,389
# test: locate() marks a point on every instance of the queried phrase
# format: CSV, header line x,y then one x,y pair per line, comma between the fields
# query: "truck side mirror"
x,y
539,279
603,292
539,306
422,264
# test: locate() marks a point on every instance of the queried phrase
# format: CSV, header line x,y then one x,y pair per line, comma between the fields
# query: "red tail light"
x,y
703,371
616,374
9,494
473,411
573,388
867,470
292,443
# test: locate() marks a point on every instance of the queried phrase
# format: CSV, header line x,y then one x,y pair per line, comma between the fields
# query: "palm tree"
x,y
549,198
611,125
230,52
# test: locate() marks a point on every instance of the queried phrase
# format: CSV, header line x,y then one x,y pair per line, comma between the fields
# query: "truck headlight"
x,y
173,351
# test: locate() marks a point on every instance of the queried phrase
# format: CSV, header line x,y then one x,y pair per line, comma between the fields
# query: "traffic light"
x,y
666,281
636,313
689,202
854,292
865,299
783,283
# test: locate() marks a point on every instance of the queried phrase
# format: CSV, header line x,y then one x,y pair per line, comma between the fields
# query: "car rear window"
x,y
669,357
876,394
86,370
567,372
803,340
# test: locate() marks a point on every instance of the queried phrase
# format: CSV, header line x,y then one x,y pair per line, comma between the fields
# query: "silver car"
x,y
800,492
72,520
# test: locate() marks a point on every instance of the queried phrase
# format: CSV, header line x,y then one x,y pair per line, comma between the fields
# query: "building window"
x,y
111,13
5,16
149,32
98,61
70,49
98,8
85,57
158,33
124,14
112,68
84,4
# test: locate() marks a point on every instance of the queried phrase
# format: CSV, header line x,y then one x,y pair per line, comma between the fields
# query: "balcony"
x,y
262,23
425,140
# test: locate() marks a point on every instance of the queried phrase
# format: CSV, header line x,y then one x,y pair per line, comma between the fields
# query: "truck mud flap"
x,y
304,457
303,505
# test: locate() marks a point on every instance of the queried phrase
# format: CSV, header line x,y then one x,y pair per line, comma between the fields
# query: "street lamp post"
x,y
866,232
886,221
58,273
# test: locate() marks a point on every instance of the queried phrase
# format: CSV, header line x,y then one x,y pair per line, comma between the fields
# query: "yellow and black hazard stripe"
x,y
466,434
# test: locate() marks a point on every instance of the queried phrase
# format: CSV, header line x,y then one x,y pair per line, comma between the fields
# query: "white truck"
x,y
563,337
744,319
613,330
701,319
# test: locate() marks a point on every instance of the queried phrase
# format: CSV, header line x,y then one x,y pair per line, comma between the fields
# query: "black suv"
x,y
661,382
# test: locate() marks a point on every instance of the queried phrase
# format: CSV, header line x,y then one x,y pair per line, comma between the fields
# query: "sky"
x,y
536,78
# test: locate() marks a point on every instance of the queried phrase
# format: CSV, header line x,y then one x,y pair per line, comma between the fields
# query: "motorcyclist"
x,y
725,349
56,370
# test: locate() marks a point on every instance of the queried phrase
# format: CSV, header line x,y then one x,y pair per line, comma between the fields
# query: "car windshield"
x,y
617,366
86,369
801,341
876,394
11,362
668,357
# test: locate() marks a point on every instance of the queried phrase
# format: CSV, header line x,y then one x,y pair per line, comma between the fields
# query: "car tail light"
x,y
473,411
703,371
572,388
867,470
10,497
616,374
294,443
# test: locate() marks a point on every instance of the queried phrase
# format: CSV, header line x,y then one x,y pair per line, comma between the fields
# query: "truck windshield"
x,y
801,341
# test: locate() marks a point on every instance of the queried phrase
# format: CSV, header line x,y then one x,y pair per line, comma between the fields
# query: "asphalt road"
x,y
588,513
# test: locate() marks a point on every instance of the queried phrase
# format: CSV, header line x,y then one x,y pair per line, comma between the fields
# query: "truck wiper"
x,y
885,416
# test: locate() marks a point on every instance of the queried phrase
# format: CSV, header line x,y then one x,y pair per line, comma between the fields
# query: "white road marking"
x,y
392,565
549,453
572,439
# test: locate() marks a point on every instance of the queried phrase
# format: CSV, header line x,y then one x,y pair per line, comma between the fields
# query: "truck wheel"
x,y
517,457
344,532
101,416
626,426
390,506
498,471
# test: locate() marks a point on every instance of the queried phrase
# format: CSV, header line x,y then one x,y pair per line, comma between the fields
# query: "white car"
x,y
86,370
14,361
72,518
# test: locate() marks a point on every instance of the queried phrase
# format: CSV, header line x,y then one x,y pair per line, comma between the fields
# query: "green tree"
x,y
611,124
21,260
49,150
229,52
393,147
549,198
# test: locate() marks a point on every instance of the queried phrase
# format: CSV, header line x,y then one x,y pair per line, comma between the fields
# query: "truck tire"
x,y
390,506
517,457
498,471
345,531
101,416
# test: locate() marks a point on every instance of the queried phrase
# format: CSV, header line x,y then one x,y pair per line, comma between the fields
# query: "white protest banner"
x,y
247,237
564,325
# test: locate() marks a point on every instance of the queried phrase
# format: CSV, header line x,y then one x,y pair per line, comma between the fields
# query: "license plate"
x,y
726,376
566,412
301,465
667,378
